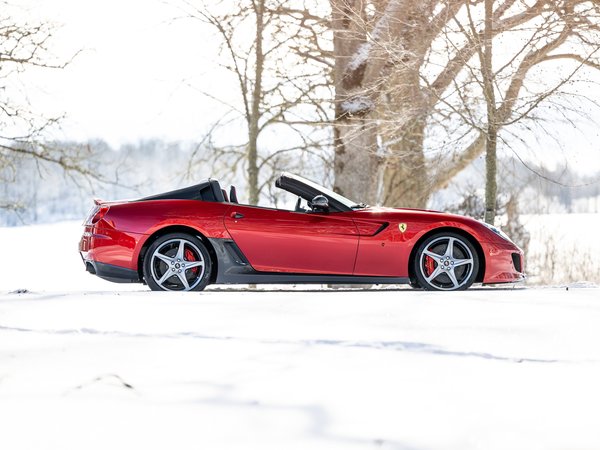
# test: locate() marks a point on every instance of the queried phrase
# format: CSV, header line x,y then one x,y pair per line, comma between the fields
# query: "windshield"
x,y
327,192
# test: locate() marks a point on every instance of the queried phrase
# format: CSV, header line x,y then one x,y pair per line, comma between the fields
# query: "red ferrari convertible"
x,y
185,239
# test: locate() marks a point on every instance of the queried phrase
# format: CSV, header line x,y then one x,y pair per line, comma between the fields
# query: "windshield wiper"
x,y
359,206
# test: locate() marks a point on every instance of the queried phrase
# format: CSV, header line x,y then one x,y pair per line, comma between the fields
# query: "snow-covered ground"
x,y
86,364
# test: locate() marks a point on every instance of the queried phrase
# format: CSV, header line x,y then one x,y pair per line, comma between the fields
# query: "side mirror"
x,y
320,204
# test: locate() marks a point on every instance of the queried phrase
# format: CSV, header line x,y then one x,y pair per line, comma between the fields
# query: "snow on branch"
x,y
358,106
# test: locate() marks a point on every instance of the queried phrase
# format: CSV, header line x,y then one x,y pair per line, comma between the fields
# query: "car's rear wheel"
x,y
177,262
446,262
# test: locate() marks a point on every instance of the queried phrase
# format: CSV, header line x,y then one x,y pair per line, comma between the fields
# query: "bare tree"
x,y
399,72
280,82
25,45
484,51
514,74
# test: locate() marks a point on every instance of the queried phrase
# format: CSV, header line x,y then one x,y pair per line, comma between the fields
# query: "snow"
x,y
361,56
357,105
86,364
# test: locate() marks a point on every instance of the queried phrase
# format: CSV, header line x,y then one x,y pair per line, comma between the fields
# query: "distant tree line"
x,y
46,193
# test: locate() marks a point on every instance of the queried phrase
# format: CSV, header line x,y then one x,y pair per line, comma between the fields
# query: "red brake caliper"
x,y
189,256
429,265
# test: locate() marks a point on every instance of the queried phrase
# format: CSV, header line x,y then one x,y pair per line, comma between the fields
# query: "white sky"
x,y
132,78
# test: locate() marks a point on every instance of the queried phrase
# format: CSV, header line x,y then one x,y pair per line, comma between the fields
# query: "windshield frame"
x,y
337,202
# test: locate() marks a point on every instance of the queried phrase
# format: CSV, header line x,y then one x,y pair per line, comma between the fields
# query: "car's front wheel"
x,y
446,262
177,262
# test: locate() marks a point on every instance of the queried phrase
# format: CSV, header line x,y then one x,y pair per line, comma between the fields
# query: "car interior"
x,y
233,198
233,194
301,204
296,196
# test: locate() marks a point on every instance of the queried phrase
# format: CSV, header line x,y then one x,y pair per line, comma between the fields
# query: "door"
x,y
296,242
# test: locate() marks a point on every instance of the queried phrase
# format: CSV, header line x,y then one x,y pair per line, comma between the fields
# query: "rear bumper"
x,y
109,254
111,272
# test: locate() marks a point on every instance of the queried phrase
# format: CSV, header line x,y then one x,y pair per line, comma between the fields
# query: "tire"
x,y
181,255
446,261
413,283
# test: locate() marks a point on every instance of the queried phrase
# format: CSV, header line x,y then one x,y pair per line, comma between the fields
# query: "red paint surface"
x,y
284,241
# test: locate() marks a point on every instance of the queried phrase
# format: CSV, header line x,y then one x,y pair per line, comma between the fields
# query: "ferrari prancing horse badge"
x,y
402,227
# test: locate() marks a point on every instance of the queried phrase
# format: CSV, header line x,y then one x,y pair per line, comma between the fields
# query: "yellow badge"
x,y
402,227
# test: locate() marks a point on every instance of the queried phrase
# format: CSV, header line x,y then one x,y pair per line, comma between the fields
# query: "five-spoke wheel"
x,y
177,262
446,262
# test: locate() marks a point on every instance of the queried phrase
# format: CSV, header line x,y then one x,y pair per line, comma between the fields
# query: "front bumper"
x,y
505,263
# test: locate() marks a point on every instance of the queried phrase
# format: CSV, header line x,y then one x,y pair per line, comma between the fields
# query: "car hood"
x,y
382,210
419,215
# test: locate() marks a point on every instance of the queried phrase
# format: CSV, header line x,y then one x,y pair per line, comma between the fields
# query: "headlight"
x,y
498,231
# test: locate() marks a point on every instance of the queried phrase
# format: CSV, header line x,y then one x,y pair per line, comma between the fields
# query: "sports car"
x,y
186,239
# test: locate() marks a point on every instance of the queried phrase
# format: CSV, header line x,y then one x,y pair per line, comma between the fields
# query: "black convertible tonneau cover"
x,y
208,191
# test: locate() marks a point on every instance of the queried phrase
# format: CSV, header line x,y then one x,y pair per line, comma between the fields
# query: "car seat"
x,y
233,194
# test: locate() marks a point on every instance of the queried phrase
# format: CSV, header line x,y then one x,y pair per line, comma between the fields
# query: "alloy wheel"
x,y
447,263
177,265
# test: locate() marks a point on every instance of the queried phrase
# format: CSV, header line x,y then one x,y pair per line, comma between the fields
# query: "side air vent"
x,y
235,253
383,226
516,258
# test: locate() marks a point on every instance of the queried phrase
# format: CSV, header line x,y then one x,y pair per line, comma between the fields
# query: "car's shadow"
x,y
352,289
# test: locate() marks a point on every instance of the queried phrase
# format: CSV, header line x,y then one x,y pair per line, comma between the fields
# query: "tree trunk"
x,y
491,187
255,114
405,179
356,164
356,167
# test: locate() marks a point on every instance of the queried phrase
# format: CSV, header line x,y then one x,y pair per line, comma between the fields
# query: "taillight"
x,y
95,214
99,214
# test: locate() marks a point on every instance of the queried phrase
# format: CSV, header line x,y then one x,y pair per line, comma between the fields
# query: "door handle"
x,y
236,215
